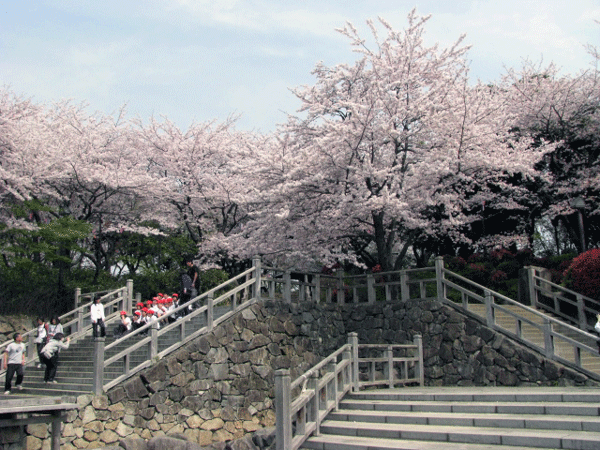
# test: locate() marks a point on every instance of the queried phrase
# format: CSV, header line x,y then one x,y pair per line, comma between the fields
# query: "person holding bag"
x,y
50,356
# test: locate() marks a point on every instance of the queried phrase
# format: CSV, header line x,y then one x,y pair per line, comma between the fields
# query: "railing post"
x,y
388,354
317,296
313,384
548,339
531,287
98,380
333,393
283,422
581,313
371,288
77,296
129,299
439,277
404,291
257,275
80,320
30,349
210,311
340,291
489,309
347,374
418,341
353,341
154,339
287,287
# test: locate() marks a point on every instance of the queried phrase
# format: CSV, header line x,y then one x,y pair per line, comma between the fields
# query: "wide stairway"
x,y
75,371
468,418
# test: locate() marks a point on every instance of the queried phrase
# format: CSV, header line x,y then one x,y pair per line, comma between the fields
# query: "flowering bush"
x,y
583,275
499,276
500,254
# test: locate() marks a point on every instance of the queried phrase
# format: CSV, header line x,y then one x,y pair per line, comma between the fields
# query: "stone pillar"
x,y
129,298
439,277
257,276
371,288
98,382
317,295
287,287
283,422
210,311
418,341
353,341
340,286
77,297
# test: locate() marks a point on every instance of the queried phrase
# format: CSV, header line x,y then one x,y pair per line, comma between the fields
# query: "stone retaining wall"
x,y
220,387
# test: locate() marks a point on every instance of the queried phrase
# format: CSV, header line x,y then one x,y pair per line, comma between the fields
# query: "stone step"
x,y
326,442
474,435
482,394
491,420
555,408
474,418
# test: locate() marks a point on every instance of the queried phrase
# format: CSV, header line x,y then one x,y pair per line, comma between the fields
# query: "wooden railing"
x,y
233,295
529,326
341,288
319,391
567,304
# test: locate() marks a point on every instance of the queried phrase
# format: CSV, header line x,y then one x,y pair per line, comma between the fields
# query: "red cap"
x,y
138,312
123,312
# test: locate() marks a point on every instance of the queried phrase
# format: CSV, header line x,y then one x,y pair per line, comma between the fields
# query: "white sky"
x,y
198,60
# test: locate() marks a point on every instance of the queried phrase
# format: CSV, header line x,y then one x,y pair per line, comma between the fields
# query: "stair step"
x,y
555,408
482,394
326,442
525,421
474,435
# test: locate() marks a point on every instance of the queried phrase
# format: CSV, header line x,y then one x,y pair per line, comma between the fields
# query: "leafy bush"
x,y
583,275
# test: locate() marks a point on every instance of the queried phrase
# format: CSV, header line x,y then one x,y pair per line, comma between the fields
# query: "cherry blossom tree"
x,y
391,149
564,109
76,165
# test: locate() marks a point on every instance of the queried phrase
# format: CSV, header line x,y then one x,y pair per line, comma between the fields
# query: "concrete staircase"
x,y
75,370
468,418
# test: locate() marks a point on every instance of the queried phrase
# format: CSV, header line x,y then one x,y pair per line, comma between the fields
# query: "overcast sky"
x,y
198,60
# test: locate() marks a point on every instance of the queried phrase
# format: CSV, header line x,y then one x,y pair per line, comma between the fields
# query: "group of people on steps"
x,y
50,338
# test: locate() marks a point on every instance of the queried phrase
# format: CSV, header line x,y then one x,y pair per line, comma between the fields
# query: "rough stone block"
x,y
132,443
135,389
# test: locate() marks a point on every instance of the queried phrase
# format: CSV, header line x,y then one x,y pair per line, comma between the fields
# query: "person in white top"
x,y
98,318
54,327
41,338
13,362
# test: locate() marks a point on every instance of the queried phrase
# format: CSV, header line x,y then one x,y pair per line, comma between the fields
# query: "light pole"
x,y
578,203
